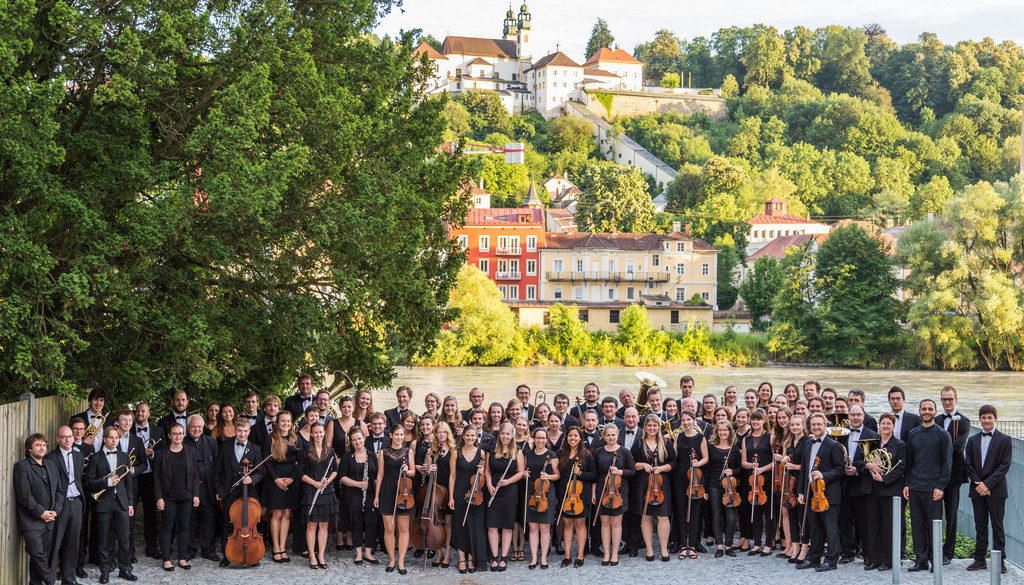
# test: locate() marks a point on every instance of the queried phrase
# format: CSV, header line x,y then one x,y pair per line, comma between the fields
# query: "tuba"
x,y
647,381
342,385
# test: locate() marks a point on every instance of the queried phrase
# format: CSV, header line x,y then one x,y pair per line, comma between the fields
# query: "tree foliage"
x,y
600,36
614,199
759,289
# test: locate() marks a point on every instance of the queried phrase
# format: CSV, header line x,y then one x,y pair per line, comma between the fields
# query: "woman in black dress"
x,y
344,427
176,486
393,462
358,476
654,461
503,472
741,428
575,464
319,468
280,495
541,467
422,453
691,457
794,444
443,445
522,426
612,460
723,461
469,536
757,447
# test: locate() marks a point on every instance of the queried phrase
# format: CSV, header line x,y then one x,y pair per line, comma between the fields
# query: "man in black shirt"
x,y
959,429
204,517
929,461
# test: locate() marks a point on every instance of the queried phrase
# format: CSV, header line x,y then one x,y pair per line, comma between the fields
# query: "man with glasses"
x,y
959,428
88,520
476,400
64,550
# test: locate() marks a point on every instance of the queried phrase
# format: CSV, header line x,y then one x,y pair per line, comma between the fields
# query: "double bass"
x,y
434,499
245,545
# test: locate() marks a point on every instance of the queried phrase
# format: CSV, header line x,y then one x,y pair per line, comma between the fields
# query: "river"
x,y
1002,389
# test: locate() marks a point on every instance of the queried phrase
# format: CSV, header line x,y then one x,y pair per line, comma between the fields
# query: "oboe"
x,y
366,479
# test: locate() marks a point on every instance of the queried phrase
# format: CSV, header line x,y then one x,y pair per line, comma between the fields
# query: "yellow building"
x,y
604,273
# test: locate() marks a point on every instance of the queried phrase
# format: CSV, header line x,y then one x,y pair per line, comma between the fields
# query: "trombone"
x,y
127,469
538,398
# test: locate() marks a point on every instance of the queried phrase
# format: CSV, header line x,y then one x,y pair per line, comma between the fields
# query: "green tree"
x,y
669,80
662,55
485,325
759,290
614,199
216,199
569,133
600,36
794,327
764,57
730,87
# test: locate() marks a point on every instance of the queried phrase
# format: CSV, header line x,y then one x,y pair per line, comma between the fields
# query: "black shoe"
x,y
127,576
169,569
844,560
223,563
730,552
1002,567
390,569
605,563
566,562
81,574
577,563
807,565
431,554
871,566
543,565
104,578
794,560
701,548
824,568
418,553
664,559
650,558
947,560
373,561
918,566
634,554
212,557
883,567
614,563
400,571
436,563
719,553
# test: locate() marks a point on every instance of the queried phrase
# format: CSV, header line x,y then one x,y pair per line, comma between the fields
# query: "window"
x,y
681,269
531,243
502,242
681,294
666,246
579,266
485,243
630,293
464,242
680,246
504,291
531,267
611,294
584,315
706,296
674,317
557,265
513,242
513,292
513,265
502,265
611,266
531,293
484,265
705,269
630,268
655,261
557,293
613,316
547,317
577,293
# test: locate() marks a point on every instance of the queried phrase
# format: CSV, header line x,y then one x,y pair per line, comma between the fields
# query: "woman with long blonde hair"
x,y
280,494
503,471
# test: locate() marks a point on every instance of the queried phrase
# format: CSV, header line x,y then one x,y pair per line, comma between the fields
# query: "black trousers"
x,y
175,512
923,509
150,524
109,525
764,524
853,525
796,522
723,519
202,524
950,504
64,549
631,534
364,529
37,545
877,539
823,528
988,509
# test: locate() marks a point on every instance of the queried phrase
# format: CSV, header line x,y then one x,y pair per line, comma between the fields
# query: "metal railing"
x,y
508,251
507,275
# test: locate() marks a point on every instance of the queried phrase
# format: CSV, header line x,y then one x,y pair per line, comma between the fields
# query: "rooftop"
x,y
558,59
430,51
606,54
505,216
621,241
785,218
777,247
479,47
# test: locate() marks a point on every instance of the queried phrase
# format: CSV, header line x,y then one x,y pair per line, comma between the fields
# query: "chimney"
x,y
558,47
482,183
676,226
687,228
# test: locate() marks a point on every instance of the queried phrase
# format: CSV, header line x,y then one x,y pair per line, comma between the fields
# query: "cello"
x,y
433,498
245,545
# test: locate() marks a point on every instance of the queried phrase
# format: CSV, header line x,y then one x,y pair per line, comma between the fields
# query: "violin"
x,y
539,499
573,503
757,495
655,491
475,495
731,498
819,503
245,545
404,500
778,471
696,489
612,495
791,491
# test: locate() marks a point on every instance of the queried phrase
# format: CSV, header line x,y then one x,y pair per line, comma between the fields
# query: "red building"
x,y
504,243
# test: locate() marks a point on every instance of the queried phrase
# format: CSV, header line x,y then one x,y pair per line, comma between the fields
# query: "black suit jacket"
x,y
156,434
167,420
832,468
852,482
229,471
119,497
392,417
870,422
959,430
579,409
293,404
997,463
910,422
260,435
57,456
36,490
892,482
109,422
209,449
138,450
162,479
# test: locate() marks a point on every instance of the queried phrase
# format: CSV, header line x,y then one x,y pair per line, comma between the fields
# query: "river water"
x,y
1005,390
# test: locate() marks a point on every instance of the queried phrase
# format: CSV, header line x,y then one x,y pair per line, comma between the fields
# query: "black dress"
x,y
274,498
641,454
501,513
326,507
588,475
394,459
604,460
358,512
535,463
444,468
470,538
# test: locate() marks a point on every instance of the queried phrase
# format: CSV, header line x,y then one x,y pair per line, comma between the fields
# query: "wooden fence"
x,y
17,421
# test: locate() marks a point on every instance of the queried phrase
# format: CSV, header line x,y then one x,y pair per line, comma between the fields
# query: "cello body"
x,y
245,545
432,533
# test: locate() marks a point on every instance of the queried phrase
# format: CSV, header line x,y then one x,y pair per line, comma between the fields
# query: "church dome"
x,y
510,14
523,8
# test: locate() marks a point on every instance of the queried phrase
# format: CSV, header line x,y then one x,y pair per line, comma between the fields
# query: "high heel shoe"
x,y
577,563
462,569
390,568
402,571
566,562
436,563
502,563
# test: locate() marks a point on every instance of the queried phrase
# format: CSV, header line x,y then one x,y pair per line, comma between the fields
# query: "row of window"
x,y
511,265
613,316
558,265
504,243
578,293
511,292
771,234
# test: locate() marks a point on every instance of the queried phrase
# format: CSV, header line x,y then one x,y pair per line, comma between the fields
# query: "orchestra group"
x,y
805,475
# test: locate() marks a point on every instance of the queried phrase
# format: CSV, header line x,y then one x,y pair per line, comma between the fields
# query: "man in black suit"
x,y
114,508
394,415
591,393
626,400
853,520
97,401
476,400
857,396
298,403
608,408
264,426
152,437
959,428
131,444
592,439
929,462
988,456
229,471
562,409
251,408
204,517
178,414
39,502
64,550
523,394
823,526
86,549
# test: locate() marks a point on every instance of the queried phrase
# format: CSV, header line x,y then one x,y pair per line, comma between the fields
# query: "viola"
x,y
245,545
405,500
573,503
757,495
819,503
612,495
539,499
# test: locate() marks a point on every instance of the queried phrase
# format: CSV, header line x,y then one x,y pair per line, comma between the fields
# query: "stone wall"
x,y
609,104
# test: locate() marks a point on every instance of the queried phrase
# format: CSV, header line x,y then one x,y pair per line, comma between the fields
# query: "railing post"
x,y
995,571
30,420
897,539
937,550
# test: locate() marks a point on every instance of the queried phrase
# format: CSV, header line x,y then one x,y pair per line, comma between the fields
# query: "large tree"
x,y
215,196
759,289
615,199
600,36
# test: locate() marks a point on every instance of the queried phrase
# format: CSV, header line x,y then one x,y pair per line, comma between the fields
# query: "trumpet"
x,y
127,469
94,427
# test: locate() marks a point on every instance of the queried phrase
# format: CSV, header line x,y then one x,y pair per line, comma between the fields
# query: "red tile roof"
x,y
430,51
558,59
600,73
505,216
620,241
480,47
606,54
777,247
764,218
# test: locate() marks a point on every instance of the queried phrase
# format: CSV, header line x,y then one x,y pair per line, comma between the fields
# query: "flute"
x,y
319,490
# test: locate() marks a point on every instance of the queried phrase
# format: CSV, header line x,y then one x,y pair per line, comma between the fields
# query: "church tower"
x,y
523,41
510,29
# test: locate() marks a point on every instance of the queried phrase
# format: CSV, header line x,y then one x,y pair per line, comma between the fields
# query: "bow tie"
x,y
179,416
110,452
854,430
630,432
986,434
242,445
143,430
816,440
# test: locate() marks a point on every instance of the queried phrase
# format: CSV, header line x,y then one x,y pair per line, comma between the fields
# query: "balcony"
x,y
613,276
508,275
508,251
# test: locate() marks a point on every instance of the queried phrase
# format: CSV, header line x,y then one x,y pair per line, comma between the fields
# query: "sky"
x,y
566,24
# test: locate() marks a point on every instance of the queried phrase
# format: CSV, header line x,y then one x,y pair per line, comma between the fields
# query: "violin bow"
x,y
647,492
693,477
572,473
604,488
753,489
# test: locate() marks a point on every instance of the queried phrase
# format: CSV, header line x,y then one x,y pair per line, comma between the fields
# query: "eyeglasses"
x,y
63,436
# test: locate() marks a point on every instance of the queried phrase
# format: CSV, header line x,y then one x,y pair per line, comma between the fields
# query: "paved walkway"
x,y
705,570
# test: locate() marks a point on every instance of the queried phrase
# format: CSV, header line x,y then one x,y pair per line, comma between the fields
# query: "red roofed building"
x,y
775,222
630,71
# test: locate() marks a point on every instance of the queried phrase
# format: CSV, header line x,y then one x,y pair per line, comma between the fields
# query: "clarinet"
x,y
366,476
